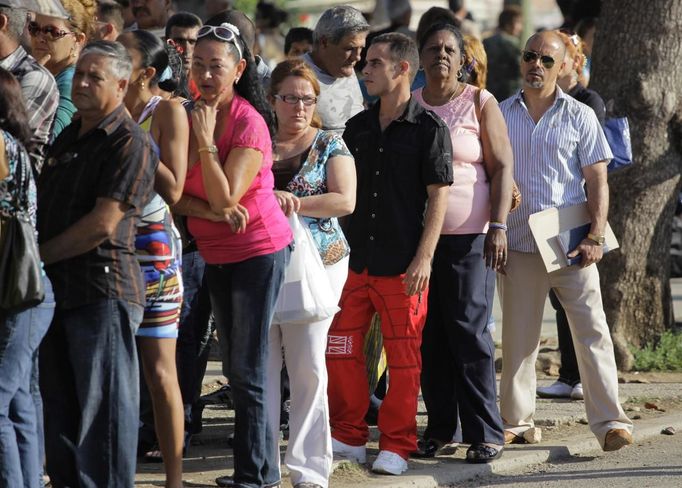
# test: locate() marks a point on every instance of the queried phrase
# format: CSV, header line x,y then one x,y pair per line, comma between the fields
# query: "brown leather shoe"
x,y
617,439
511,438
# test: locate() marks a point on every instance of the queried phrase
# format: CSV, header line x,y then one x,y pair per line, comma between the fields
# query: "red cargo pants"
x,y
402,321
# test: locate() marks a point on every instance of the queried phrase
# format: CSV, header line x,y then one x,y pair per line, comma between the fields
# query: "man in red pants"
x,y
403,157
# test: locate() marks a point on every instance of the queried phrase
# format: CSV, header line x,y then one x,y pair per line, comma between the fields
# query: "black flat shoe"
x,y
428,448
228,482
481,453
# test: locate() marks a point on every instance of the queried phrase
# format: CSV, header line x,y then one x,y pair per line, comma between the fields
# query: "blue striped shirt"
x,y
549,157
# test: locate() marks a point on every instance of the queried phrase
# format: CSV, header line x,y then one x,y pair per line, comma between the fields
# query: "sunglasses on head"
x,y
532,56
224,32
48,30
293,99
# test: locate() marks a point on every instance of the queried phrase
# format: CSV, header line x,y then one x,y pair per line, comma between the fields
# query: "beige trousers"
x,y
523,292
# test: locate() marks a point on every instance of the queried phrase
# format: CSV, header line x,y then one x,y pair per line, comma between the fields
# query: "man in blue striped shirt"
x,y
560,158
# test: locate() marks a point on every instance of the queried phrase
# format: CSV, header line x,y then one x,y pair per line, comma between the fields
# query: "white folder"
x,y
549,223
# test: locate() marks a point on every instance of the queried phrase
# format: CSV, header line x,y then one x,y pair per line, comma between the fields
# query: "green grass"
x,y
664,356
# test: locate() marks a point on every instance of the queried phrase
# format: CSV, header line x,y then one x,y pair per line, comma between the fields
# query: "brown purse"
x,y
516,193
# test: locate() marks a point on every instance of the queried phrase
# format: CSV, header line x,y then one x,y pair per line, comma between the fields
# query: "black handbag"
x,y
20,266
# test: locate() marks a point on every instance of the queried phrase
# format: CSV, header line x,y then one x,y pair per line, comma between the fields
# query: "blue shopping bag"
x,y
617,131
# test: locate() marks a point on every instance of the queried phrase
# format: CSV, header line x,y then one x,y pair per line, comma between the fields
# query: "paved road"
x,y
651,464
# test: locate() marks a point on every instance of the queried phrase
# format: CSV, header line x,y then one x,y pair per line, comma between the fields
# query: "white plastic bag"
x,y
306,295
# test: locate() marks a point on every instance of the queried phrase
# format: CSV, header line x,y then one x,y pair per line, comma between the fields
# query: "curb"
x,y
450,471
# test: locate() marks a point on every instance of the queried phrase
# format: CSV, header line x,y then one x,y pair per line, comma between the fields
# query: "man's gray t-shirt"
x,y
339,100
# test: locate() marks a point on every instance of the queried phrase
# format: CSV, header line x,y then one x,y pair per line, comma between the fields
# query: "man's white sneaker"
x,y
388,462
352,453
577,392
555,390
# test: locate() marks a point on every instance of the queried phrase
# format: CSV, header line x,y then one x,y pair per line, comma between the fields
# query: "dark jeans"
x,y
194,337
243,297
89,380
458,353
20,336
568,371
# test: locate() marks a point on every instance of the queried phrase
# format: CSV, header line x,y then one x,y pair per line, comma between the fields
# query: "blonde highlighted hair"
x,y
475,62
82,15
574,49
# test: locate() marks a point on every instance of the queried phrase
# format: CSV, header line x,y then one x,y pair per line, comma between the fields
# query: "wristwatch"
x,y
595,238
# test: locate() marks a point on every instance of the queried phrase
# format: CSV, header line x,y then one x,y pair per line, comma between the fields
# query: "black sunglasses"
x,y
34,29
532,56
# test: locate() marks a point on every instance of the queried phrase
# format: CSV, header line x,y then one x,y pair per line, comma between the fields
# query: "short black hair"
x,y
297,34
402,48
110,12
508,16
182,19
453,29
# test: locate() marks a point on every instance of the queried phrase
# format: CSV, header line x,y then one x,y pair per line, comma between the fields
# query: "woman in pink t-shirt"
x,y
240,230
458,375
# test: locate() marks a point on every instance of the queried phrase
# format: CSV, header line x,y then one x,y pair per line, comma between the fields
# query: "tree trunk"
x,y
637,64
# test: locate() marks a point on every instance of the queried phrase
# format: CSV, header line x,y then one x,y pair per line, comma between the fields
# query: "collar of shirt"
x,y
108,124
411,113
559,97
13,60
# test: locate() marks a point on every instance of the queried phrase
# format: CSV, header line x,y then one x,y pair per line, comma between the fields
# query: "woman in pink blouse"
x,y
458,370
240,230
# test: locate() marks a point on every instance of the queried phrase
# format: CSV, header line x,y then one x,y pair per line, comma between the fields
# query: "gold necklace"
x,y
455,93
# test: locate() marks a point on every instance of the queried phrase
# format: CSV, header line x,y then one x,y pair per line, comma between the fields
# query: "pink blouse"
x,y
469,196
268,230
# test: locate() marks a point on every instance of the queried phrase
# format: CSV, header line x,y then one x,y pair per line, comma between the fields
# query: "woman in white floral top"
x,y
315,177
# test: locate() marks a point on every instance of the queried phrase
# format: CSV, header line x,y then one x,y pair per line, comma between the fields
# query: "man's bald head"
x,y
551,40
542,61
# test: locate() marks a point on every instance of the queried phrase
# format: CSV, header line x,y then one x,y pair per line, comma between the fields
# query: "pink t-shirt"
x,y
268,230
469,196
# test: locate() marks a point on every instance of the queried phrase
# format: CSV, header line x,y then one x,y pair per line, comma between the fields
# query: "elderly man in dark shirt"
x,y
98,175
403,156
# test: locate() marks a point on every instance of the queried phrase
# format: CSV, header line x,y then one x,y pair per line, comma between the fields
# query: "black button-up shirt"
x,y
394,167
114,160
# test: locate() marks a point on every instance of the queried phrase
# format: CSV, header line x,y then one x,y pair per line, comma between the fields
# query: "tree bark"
x,y
636,62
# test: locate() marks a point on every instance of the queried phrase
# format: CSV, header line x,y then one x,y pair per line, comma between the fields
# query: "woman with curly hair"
x,y
240,231
56,44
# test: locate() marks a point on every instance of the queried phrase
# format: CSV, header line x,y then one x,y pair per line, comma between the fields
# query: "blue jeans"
x,y
89,380
194,335
20,336
243,296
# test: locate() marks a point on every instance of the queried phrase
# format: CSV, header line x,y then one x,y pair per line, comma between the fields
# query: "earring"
x,y
459,74
236,80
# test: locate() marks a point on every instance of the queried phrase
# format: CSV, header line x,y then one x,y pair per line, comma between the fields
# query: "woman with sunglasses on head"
x,y
458,354
21,331
315,177
56,43
570,81
240,231
157,245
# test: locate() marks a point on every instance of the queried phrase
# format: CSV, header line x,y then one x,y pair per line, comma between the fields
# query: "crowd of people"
x,y
159,160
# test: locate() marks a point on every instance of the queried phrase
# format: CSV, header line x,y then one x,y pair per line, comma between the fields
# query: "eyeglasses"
x,y
532,56
293,100
223,33
34,29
